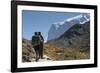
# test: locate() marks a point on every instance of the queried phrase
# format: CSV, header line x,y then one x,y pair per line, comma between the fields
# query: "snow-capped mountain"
x,y
57,29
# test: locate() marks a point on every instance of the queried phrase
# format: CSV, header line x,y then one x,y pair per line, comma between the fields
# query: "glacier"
x,y
58,28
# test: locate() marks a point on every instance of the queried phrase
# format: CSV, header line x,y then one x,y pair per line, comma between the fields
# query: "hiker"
x,y
41,45
35,44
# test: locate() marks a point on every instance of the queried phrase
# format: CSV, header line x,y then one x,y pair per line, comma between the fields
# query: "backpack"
x,y
41,38
35,41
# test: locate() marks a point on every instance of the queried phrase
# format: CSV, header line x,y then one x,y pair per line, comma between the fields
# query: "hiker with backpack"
x,y
35,44
41,45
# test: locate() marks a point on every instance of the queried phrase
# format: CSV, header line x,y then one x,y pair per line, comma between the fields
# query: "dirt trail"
x,y
46,58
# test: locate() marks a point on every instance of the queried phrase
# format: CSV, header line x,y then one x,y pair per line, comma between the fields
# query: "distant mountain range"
x,y
57,29
78,36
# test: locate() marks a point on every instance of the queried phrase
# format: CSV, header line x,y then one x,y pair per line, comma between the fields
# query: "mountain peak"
x,y
59,28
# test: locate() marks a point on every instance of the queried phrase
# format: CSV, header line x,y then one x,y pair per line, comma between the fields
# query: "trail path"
x,y
46,58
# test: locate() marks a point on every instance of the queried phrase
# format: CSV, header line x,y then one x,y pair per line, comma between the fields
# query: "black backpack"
x,y
35,41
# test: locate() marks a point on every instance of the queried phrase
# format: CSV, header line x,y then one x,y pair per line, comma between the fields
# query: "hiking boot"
x,y
42,57
37,60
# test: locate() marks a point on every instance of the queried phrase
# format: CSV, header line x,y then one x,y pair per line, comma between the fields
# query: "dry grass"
x,y
27,52
56,53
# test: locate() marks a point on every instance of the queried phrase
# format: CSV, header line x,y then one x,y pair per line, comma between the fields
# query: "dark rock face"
x,y
78,36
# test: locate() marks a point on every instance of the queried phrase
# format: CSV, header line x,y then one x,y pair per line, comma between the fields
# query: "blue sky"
x,y
34,21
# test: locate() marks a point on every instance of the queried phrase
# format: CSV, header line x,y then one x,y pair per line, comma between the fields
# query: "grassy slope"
x,y
56,53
